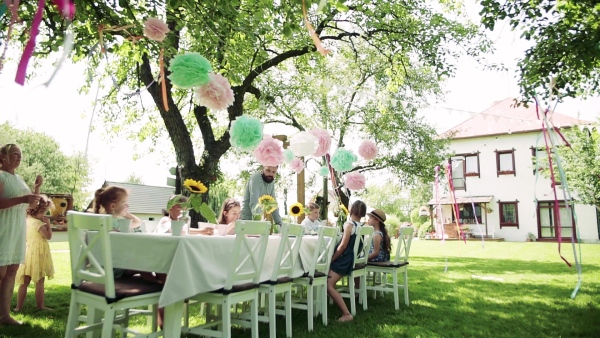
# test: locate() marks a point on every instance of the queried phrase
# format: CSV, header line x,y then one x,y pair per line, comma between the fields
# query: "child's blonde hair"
x,y
313,206
45,204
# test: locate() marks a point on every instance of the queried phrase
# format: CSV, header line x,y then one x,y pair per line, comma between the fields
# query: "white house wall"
x,y
522,187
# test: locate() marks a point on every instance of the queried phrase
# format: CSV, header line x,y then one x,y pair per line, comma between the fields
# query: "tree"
x,y
133,178
248,41
566,44
42,156
580,164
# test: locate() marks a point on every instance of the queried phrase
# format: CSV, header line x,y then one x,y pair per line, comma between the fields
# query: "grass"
x,y
529,295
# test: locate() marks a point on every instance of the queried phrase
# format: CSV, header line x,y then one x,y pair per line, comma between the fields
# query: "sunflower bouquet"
x,y
267,204
194,202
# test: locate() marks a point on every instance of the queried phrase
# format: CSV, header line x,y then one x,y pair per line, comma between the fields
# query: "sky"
x,y
64,114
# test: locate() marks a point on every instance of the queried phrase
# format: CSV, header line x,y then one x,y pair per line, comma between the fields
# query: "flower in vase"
x,y
267,204
196,189
296,209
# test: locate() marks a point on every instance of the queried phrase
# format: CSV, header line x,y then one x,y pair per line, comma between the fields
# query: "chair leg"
x,y
323,290
254,314
272,313
288,313
363,291
352,298
93,316
310,303
406,301
107,326
72,321
226,319
395,282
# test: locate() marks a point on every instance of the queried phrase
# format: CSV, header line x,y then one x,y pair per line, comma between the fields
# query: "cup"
x,y
222,229
176,227
123,224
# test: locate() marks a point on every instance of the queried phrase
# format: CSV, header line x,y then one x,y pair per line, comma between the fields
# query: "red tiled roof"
x,y
504,118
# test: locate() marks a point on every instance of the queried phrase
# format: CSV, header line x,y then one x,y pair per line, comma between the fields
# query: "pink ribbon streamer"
x,y
454,205
28,51
12,7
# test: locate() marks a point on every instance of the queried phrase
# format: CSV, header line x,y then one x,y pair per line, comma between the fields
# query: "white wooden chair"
x,y
315,277
362,245
93,282
398,265
241,285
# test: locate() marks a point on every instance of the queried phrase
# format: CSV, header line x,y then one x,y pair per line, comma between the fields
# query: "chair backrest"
x,y
362,245
326,239
248,253
403,246
91,256
289,250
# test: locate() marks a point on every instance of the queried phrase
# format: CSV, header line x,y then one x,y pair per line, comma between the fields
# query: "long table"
x,y
193,264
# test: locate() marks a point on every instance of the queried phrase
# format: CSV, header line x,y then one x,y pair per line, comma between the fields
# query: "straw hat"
x,y
378,214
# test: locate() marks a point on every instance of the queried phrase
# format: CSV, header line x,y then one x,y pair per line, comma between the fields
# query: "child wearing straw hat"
x,y
381,245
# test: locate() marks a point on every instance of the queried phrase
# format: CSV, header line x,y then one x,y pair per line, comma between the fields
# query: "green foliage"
x,y
42,156
134,179
416,219
566,43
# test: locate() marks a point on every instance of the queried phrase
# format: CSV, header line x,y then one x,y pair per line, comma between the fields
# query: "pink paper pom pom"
x,y
367,150
324,141
354,180
155,29
297,165
216,94
269,152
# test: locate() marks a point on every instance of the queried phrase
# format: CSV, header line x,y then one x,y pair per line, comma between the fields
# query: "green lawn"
x,y
528,296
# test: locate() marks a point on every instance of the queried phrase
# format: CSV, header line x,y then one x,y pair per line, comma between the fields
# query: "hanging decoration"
x,y
343,159
367,150
324,141
246,133
269,151
288,156
311,30
155,29
303,144
216,94
323,171
189,70
354,180
297,165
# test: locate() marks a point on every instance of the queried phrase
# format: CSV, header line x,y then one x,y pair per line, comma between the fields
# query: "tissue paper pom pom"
x,y
367,150
303,144
245,133
269,152
155,29
297,165
354,180
216,94
324,141
342,159
324,171
189,70
288,156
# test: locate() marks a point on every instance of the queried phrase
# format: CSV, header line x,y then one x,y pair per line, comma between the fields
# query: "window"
x,y
509,214
472,165
458,170
505,162
547,220
466,214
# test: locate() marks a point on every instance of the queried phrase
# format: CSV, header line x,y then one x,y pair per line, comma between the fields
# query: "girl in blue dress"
x,y
381,245
343,257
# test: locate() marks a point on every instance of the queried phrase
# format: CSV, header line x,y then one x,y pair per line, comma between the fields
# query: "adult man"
x,y
261,183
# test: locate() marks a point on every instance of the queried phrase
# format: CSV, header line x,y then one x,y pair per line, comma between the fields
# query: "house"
x,y
498,192
145,201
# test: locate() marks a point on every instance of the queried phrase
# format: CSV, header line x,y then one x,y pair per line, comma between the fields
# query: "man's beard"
x,y
267,179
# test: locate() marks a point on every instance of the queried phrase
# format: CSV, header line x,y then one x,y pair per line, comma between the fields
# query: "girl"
x,y
381,245
312,222
230,212
14,197
343,257
113,200
38,260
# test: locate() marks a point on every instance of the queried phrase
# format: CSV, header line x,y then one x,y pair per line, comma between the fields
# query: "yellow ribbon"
x,y
163,82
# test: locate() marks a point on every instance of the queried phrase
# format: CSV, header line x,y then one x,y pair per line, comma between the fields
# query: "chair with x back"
x,y
93,282
398,265
241,284
315,277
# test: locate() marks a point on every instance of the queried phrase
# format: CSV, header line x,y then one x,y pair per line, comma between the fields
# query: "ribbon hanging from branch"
x,y
312,32
29,47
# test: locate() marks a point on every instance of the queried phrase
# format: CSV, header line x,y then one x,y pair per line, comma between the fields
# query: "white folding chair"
x,y
315,277
362,245
93,282
398,265
241,285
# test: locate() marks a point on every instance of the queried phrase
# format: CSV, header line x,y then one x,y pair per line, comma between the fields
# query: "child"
x,y
312,222
113,200
230,212
381,245
343,257
38,260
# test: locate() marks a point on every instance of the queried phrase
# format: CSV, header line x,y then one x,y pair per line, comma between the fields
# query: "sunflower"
x,y
296,209
265,198
267,203
344,209
195,187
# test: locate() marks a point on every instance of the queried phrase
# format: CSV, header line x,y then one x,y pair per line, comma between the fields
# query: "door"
x,y
548,225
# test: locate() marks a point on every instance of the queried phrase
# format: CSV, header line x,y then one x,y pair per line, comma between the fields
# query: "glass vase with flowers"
x,y
194,202
266,204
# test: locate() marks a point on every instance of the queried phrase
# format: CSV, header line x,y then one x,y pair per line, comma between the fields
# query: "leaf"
x,y
208,213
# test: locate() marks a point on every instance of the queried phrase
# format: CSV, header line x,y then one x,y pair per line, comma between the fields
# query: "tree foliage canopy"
x,y
42,156
400,50
566,44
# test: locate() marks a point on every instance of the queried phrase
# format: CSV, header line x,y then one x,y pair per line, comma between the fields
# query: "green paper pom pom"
x,y
288,156
324,171
189,70
245,133
342,159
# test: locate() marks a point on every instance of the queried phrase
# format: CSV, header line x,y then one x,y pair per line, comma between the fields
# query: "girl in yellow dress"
x,y
38,260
